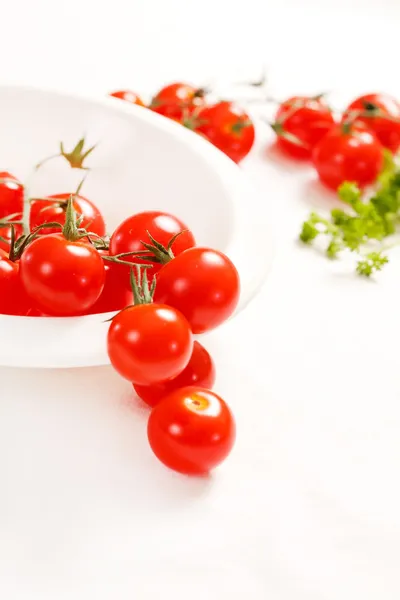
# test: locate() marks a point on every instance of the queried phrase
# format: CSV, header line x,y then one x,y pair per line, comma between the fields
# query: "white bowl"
x,y
143,161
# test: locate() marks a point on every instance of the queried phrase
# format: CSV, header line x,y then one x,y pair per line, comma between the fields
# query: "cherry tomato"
x,y
348,154
115,296
128,96
203,284
386,126
228,127
177,99
149,343
300,123
13,299
199,371
11,195
130,233
63,278
54,209
191,431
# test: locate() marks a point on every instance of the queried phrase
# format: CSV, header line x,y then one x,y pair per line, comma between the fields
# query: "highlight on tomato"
x,y
192,430
199,371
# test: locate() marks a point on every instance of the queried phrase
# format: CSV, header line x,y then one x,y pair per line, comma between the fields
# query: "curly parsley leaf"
x,y
362,221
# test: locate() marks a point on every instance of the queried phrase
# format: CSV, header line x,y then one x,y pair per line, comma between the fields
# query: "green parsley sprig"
x,y
362,226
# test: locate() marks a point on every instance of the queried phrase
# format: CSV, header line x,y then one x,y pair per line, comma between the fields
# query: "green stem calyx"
x,y
156,252
71,229
142,292
75,158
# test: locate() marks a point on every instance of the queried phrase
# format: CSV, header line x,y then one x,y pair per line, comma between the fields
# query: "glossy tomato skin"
x,y
13,299
203,284
62,278
228,127
115,296
128,96
54,210
11,195
149,343
176,100
355,156
129,235
307,119
387,130
200,371
191,431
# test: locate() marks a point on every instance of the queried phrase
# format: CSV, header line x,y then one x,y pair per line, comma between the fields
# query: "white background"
x,y
307,507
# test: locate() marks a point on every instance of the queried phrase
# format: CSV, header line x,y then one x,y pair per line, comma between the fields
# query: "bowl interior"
x,y
142,161
136,165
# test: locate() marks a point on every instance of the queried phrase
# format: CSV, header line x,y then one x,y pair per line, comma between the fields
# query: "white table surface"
x,y
307,507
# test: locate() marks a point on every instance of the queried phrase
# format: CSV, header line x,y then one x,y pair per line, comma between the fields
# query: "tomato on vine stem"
x,y
300,123
226,126
177,99
53,209
62,273
129,236
148,343
381,114
349,152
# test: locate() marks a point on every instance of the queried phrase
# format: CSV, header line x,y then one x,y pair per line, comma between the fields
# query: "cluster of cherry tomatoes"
x,y
56,260
187,290
349,147
223,123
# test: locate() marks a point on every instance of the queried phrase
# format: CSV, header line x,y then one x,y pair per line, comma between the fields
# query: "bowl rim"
x,y
236,185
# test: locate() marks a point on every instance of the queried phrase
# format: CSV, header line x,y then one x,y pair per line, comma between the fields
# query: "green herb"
x,y
363,224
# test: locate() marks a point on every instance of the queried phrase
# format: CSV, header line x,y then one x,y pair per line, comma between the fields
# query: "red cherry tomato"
x,y
129,235
199,371
228,127
191,431
11,195
63,278
149,343
54,209
203,284
128,96
386,126
13,299
177,99
348,154
300,123
115,296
